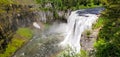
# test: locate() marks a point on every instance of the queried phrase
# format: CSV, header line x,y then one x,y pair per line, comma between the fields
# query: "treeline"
x,y
12,15
108,44
66,4
6,29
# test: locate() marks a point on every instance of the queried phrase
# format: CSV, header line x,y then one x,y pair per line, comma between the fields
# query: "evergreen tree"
x,y
112,8
108,44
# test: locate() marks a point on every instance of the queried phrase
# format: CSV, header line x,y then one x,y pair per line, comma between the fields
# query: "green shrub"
x,y
67,4
70,53
88,32
108,39
106,49
83,53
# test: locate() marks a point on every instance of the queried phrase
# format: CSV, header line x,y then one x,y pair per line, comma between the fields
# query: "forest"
x,y
17,16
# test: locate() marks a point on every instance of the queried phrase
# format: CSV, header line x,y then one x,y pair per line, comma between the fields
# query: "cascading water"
x,y
78,22
45,43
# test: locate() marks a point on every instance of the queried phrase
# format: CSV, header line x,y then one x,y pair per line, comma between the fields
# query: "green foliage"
x,y
99,22
88,33
112,8
9,21
106,49
64,4
25,32
101,42
96,2
5,2
86,7
83,53
70,53
12,47
108,44
22,35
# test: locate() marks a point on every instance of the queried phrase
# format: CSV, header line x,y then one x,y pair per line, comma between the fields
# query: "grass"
x,y
99,23
22,36
25,32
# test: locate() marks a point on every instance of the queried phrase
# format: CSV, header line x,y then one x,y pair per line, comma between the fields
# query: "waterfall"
x,y
45,42
78,22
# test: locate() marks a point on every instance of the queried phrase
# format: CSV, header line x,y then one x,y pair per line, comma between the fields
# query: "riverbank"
x,y
21,37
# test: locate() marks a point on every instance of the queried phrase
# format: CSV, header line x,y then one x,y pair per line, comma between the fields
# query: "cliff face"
x,y
13,16
50,16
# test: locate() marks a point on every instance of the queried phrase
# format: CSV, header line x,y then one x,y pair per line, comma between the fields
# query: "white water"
x,y
35,24
45,43
76,25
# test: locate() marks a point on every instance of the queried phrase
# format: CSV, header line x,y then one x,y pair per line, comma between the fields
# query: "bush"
x,y
88,32
70,53
106,49
108,39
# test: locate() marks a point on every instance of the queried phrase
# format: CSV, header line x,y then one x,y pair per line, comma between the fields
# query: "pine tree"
x,y
112,8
